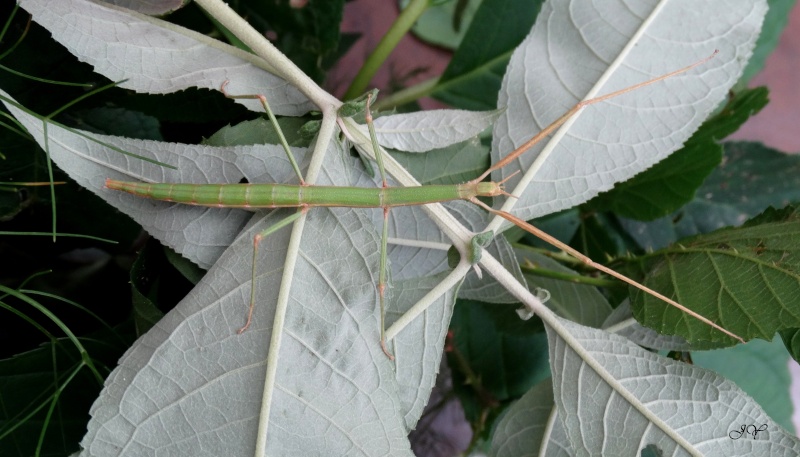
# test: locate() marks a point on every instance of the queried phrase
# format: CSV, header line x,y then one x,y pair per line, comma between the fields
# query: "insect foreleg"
x,y
284,143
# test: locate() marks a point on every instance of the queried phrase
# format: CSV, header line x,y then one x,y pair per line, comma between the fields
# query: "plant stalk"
x,y
399,28
286,69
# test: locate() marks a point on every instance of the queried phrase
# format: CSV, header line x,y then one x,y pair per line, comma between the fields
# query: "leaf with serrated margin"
x,y
335,391
157,57
750,178
426,130
745,279
612,141
531,427
151,7
603,382
199,234
672,183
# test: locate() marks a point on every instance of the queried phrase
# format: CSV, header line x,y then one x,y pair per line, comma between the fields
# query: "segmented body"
x,y
286,195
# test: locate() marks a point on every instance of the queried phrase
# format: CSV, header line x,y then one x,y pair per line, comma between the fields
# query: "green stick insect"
x,y
305,196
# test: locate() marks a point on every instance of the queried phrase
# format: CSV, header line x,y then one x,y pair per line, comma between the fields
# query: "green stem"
x,y
407,95
530,268
560,256
575,279
399,28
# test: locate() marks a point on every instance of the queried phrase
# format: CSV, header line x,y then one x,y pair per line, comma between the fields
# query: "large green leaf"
x,y
746,279
680,408
612,141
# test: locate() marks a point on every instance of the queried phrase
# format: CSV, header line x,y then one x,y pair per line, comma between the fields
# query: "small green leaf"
x,y
651,450
259,131
745,279
791,339
357,105
156,286
598,237
477,243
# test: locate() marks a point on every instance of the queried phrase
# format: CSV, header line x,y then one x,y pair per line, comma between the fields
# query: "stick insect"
x,y
305,196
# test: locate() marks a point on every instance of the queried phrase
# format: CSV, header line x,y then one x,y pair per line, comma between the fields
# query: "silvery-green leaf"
x,y
621,322
531,427
204,324
199,234
563,61
335,391
157,57
426,130
603,382
418,349
151,7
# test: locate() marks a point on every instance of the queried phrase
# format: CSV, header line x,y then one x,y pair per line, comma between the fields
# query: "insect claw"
x,y
386,350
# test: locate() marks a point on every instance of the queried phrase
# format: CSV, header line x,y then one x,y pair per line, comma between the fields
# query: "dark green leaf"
x,y
651,450
503,365
472,80
454,164
122,122
598,237
259,131
791,339
745,279
307,35
508,363
156,286
751,178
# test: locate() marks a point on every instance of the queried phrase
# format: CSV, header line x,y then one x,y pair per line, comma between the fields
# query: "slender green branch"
x,y
407,95
559,256
399,28
531,270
